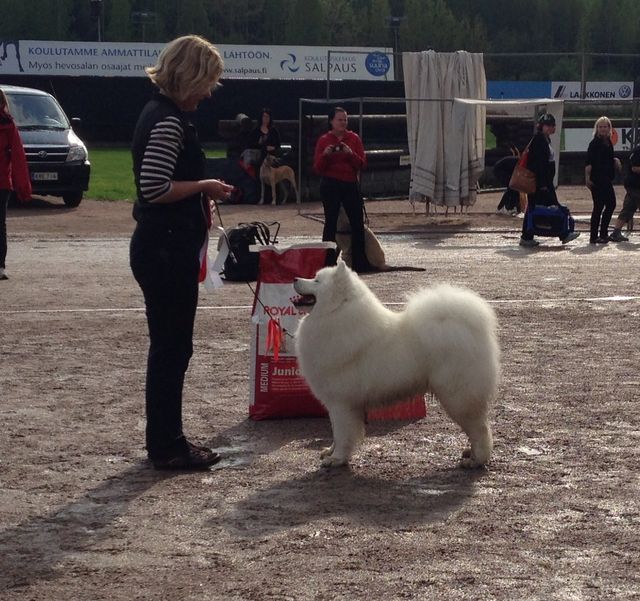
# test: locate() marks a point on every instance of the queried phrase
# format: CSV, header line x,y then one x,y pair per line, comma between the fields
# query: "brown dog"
x,y
270,175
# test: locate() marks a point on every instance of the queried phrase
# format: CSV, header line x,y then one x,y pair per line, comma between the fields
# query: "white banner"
x,y
102,59
577,139
594,90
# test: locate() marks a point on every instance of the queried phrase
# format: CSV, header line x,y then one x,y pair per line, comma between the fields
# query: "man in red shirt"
x,y
339,157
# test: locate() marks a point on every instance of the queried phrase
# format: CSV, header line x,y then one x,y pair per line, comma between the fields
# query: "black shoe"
x,y
602,240
616,236
194,458
570,236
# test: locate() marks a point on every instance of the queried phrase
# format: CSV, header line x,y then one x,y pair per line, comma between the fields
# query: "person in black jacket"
x,y
632,197
172,212
266,136
543,164
599,171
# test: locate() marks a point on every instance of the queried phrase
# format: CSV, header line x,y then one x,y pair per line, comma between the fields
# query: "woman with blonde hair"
x,y
172,211
599,172
14,173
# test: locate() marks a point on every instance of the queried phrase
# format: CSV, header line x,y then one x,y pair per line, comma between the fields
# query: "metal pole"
x,y
299,152
583,77
328,74
360,108
395,51
634,124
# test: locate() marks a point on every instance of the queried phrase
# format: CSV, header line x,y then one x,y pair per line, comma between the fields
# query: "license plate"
x,y
44,176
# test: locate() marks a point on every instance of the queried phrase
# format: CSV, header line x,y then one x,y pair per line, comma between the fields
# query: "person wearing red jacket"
x,y
339,157
14,173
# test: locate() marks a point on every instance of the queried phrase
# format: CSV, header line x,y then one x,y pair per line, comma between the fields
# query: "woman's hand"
x,y
215,189
618,164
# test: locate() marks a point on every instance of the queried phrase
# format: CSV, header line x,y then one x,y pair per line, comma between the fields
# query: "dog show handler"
x,y
172,212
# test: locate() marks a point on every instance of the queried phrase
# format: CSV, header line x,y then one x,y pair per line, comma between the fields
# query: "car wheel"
x,y
72,199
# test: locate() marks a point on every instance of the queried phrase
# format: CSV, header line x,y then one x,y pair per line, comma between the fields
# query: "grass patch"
x,y
112,175
490,139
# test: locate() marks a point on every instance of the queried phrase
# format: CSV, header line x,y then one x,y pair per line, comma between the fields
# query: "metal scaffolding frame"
x,y
633,103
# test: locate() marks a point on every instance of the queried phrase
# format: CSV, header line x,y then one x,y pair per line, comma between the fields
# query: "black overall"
x,y
601,158
164,256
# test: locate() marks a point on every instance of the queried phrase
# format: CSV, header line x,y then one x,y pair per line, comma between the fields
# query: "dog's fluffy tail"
x,y
457,323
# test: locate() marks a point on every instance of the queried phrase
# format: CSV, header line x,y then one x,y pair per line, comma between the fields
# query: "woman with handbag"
x,y
542,163
600,169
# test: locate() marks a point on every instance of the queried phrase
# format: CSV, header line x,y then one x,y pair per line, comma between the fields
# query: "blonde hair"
x,y
187,65
601,120
3,101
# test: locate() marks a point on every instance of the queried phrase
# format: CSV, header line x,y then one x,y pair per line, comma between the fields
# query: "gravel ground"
x,y
554,516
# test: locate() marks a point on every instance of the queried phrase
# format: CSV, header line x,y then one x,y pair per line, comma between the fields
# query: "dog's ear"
x,y
343,273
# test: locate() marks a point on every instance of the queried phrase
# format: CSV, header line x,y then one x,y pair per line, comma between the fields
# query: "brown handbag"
x,y
523,179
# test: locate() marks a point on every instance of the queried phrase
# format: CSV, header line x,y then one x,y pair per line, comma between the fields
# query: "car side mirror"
x,y
75,121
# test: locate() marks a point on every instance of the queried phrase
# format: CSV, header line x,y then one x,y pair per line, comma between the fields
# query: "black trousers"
x,y
604,203
4,202
336,193
510,200
166,264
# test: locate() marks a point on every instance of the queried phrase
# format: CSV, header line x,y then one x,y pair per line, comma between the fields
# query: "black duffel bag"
x,y
242,265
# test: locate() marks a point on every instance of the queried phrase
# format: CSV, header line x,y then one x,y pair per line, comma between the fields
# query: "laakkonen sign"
x,y
103,59
566,90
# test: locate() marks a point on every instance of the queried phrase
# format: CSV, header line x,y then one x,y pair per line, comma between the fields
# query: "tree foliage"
x,y
490,26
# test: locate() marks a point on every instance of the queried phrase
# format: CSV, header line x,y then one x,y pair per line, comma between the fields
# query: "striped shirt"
x,y
160,156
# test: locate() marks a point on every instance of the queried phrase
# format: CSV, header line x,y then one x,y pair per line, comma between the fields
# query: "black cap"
x,y
546,119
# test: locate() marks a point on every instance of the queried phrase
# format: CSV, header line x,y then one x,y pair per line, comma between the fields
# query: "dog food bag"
x,y
277,390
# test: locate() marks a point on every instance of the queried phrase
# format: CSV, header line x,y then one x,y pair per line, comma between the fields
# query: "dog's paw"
x,y
326,452
332,461
469,462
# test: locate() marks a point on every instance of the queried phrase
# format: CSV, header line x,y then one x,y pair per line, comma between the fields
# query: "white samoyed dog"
x,y
356,354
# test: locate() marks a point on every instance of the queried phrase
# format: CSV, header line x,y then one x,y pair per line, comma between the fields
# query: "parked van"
x,y
58,159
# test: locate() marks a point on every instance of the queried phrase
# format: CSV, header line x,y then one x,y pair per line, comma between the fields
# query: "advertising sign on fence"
x,y
104,59
594,90
565,90
576,139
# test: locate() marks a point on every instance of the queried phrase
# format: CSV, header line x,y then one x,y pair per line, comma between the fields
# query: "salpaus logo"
x,y
290,63
377,63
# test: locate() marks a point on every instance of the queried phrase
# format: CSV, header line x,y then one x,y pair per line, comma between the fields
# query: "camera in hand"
x,y
337,147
